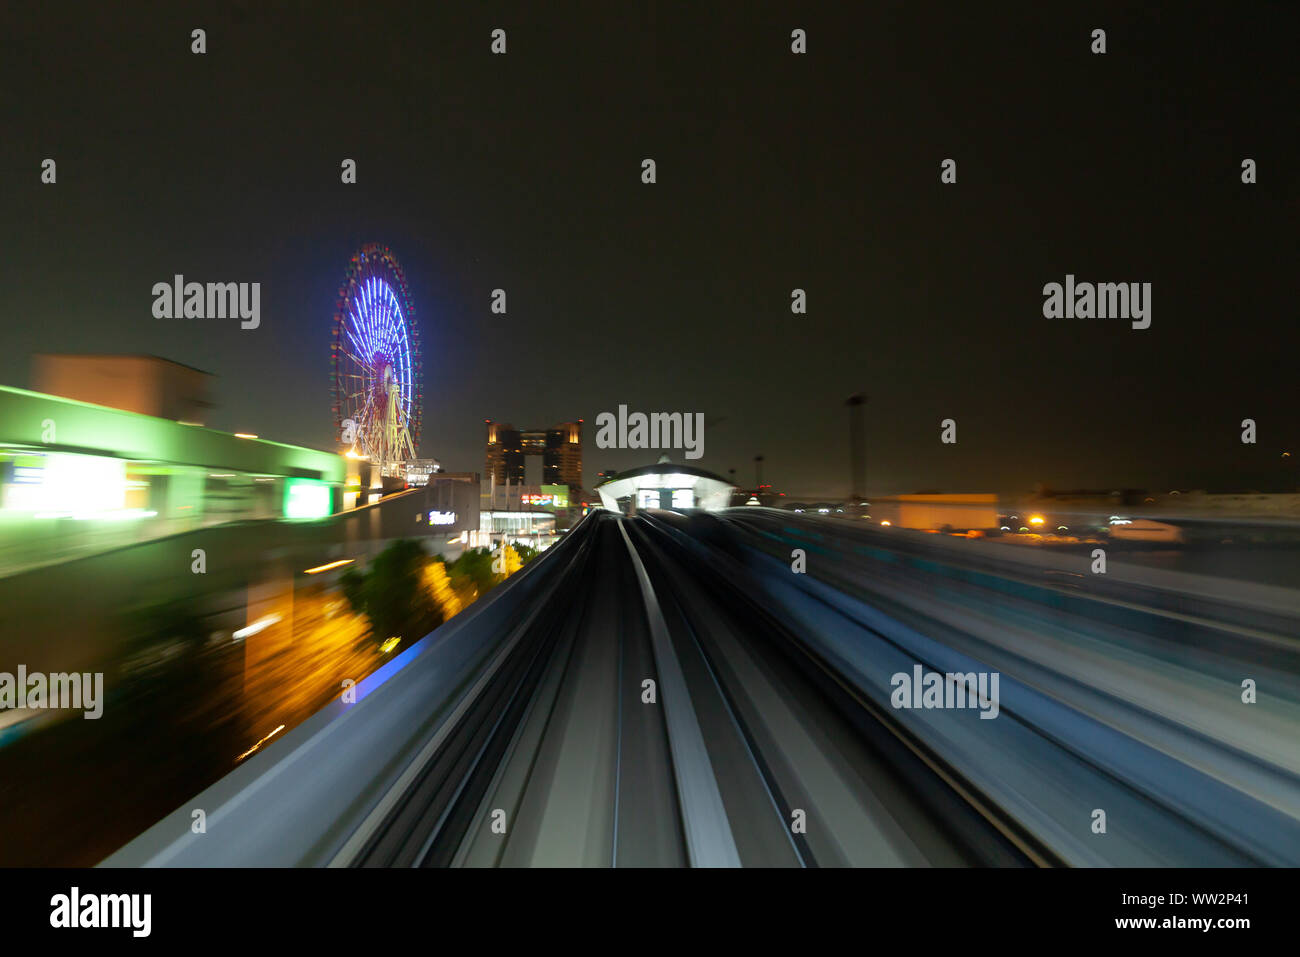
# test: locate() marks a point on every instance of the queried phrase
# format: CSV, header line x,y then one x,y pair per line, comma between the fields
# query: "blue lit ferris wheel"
x,y
376,364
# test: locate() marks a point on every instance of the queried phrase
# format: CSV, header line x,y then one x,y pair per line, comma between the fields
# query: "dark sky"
x,y
775,171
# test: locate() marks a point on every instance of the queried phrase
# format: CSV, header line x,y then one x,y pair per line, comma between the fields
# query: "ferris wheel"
x,y
376,365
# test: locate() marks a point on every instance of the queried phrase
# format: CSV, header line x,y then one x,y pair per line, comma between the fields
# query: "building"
x,y
937,511
147,385
503,498
665,485
418,471
77,478
559,446
558,503
533,528
452,500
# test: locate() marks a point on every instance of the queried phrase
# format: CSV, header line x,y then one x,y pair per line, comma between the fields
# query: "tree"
x,y
526,553
393,595
440,588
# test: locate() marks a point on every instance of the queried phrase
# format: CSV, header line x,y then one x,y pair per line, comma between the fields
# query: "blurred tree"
x,y
393,595
438,582
526,553
472,573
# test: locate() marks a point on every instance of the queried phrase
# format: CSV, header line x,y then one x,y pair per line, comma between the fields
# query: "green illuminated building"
x,y
77,478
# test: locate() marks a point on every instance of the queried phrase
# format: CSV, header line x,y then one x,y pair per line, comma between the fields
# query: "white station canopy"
x,y
687,487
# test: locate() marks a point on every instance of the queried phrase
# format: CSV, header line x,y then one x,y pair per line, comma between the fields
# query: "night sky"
x,y
775,171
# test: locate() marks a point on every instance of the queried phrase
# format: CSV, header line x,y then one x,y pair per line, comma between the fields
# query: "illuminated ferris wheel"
x,y
376,365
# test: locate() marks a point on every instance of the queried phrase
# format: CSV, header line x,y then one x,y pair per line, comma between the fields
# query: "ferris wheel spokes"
x,y
376,361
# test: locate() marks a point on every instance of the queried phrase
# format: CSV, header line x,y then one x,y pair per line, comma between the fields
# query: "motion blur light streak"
x,y
324,568
260,625
260,743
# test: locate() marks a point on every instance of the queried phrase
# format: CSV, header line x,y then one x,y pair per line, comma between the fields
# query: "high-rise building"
x,y
562,460
560,447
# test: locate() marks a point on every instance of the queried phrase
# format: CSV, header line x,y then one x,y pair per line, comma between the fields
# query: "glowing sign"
x,y
442,518
306,498
552,496
84,484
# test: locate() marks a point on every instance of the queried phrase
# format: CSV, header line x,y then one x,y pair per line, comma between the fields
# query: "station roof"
x,y
709,490
662,469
